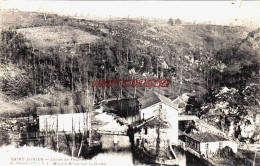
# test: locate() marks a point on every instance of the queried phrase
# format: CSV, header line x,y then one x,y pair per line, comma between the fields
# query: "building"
x,y
152,104
181,101
207,144
187,122
146,136
64,119
123,108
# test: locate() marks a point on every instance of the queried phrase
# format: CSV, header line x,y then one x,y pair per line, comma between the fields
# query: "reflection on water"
x,y
113,155
114,158
126,157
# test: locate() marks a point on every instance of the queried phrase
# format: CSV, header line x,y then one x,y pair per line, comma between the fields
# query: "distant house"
x,y
151,103
63,119
185,122
206,143
164,65
181,101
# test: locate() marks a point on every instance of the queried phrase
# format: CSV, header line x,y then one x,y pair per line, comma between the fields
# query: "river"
x,y
111,155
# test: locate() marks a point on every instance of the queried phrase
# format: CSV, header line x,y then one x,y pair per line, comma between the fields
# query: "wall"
x,y
48,123
172,118
148,141
66,122
131,119
124,108
170,114
148,112
231,144
214,146
192,143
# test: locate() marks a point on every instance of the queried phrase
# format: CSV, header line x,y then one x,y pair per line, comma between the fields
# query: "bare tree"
x,y
45,15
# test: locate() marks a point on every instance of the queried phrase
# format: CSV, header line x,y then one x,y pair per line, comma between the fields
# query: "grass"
x,y
51,36
7,105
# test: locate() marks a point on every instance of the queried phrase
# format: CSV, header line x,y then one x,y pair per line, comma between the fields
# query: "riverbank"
x,y
38,156
29,155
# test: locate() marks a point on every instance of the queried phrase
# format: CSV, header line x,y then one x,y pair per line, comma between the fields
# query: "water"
x,y
113,155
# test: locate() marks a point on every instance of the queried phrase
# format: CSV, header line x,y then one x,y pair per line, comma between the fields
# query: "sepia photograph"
x,y
132,83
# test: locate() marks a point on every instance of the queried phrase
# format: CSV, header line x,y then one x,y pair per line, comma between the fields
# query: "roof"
x,y
122,107
152,98
178,100
60,110
152,123
202,125
187,117
206,137
113,126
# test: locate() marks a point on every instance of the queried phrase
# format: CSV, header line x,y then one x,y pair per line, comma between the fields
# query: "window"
x,y
137,142
186,138
145,131
207,146
220,145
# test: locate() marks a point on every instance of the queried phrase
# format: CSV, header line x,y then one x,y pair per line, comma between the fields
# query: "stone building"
x,y
153,134
207,144
153,104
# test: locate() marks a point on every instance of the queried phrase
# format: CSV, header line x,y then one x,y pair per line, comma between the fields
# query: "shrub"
x,y
225,152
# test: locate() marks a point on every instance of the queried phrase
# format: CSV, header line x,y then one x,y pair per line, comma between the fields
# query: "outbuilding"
x,y
64,119
207,144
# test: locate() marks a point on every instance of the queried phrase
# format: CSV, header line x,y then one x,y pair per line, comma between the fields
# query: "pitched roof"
x,y
206,137
152,123
181,101
60,110
187,117
178,100
152,98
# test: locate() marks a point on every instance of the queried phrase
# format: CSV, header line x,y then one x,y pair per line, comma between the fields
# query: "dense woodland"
x,y
217,65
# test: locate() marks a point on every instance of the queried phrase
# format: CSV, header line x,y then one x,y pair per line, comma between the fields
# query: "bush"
x,y
178,21
170,21
225,152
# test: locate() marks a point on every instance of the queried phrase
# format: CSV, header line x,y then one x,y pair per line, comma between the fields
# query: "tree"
x,y
147,63
44,13
170,21
194,106
250,94
178,21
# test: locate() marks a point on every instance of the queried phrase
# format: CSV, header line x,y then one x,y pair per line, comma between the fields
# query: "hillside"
x,y
217,65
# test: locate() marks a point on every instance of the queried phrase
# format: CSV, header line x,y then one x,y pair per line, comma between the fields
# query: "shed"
x,y
207,143
63,119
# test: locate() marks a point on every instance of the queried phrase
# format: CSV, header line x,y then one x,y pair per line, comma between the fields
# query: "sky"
x,y
217,11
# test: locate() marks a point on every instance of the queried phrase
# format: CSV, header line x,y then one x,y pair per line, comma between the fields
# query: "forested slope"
x,y
60,57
